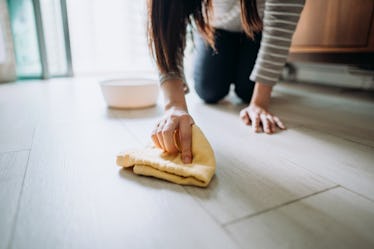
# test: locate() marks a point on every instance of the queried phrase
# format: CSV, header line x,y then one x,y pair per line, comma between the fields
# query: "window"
x,y
41,38
22,17
95,37
109,36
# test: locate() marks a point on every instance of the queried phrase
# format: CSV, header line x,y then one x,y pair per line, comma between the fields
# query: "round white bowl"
x,y
130,93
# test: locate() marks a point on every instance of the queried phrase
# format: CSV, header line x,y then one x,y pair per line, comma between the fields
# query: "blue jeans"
x,y
231,64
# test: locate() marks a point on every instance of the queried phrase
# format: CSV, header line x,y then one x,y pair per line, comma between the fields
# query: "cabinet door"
x,y
335,23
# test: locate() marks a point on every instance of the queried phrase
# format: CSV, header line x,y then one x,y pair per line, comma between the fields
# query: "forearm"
x,y
174,94
261,95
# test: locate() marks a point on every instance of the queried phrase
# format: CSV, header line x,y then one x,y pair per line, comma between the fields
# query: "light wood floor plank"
x,y
252,176
343,162
249,179
333,219
75,99
76,197
24,105
334,111
339,160
19,114
12,171
243,188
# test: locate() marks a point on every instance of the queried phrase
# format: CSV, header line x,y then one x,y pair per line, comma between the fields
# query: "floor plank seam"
x,y
212,217
356,142
199,203
357,193
337,136
15,151
327,179
277,206
296,165
15,219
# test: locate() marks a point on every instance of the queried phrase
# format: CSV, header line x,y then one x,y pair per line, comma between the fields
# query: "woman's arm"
x,y
167,28
176,118
174,91
279,24
261,95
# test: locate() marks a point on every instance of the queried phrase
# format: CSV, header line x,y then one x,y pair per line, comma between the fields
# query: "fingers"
x,y
163,136
260,120
177,140
155,138
265,123
167,134
279,123
272,123
175,135
245,117
268,123
255,118
159,134
185,135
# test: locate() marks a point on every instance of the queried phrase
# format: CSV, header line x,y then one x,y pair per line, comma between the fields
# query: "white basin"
x,y
130,93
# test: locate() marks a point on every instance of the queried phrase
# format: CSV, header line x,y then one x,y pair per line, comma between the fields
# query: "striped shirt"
x,y
280,18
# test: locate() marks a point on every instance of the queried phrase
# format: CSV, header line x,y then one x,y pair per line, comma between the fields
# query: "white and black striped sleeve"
x,y
279,24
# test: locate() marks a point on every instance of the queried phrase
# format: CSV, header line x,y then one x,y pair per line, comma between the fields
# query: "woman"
x,y
244,42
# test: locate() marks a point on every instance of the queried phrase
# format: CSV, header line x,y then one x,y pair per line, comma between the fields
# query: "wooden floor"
x,y
311,186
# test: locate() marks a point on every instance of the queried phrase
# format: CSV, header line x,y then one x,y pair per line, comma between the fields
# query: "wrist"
x,y
173,91
175,105
261,95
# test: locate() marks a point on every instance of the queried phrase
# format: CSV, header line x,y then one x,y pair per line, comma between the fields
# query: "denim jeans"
x,y
232,63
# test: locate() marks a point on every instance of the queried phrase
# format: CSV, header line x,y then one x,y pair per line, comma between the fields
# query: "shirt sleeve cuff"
x,y
263,79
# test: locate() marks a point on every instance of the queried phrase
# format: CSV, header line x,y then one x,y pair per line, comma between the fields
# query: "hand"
x,y
259,117
176,122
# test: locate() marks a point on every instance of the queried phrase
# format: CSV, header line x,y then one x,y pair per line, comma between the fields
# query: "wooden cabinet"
x,y
340,31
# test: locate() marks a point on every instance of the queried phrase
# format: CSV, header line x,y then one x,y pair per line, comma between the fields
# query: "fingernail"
x,y
186,159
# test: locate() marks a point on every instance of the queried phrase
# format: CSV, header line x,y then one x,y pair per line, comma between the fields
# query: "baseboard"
x,y
330,74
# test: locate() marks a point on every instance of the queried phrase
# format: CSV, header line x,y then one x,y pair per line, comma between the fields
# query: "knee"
x,y
210,98
210,92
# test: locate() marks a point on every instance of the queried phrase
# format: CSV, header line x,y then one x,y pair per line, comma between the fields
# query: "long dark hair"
x,y
167,24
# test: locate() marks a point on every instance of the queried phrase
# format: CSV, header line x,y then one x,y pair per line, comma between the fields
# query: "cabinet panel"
x,y
335,23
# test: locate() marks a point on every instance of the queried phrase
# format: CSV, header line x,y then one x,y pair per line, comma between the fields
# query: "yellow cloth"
x,y
154,162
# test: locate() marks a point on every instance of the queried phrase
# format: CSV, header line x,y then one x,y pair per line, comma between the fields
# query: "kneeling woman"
x,y
241,42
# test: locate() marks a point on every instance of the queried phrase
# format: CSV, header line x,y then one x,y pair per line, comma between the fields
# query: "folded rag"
x,y
153,161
